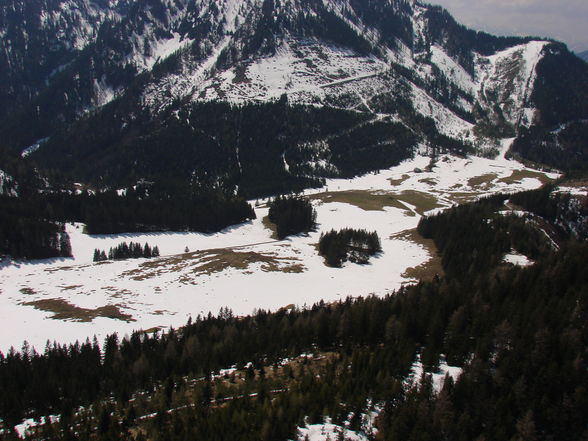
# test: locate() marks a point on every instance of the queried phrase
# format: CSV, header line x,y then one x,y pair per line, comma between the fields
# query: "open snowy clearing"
x,y
242,267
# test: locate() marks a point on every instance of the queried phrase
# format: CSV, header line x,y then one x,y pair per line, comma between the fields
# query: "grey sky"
x,y
564,20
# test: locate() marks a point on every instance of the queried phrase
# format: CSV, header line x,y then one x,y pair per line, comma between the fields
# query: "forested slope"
x,y
519,334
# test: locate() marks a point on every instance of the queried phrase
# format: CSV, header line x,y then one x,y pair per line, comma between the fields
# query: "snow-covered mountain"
x,y
135,67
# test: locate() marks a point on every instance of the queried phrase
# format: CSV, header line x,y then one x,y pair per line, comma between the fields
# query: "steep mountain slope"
x,y
146,68
40,38
583,55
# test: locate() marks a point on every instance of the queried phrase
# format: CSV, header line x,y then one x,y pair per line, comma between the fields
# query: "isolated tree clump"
x,y
292,215
349,244
127,251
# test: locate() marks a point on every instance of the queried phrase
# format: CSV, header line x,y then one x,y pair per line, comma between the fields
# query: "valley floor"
x,y
243,267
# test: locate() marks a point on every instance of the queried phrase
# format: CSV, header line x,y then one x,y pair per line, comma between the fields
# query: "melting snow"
x,y
328,432
167,291
437,378
452,70
508,77
8,179
33,148
164,48
23,429
517,259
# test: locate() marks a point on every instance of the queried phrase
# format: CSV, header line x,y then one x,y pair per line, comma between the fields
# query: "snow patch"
x,y
7,185
517,259
103,92
574,191
452,70
163,49
437,378
507,78
328,432
23,429
34,147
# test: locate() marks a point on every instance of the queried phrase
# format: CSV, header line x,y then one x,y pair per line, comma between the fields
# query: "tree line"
x,y
33,226
348,244
27,234
518,334
292,215
127,251
474,238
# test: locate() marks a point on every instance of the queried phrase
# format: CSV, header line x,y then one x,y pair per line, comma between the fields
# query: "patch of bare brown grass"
x,y
463,197
63,310
518,175
429,181
71,287
429,269
397,182
377,201
366,200
482,181
422,202
206,263
220,260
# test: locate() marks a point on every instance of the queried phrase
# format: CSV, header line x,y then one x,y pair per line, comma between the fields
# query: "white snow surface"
x,y
508,78
452,70
33,148
23,428
328,432
517,259
305,70
574,191
437,378
166,291
4,177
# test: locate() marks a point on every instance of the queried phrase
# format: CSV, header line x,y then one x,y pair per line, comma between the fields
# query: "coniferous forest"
x,y
27,233
127,251
519,334
140,116
291,215
32,226
349,244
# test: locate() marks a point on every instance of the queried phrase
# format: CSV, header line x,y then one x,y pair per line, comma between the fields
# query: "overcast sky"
x,y
564,20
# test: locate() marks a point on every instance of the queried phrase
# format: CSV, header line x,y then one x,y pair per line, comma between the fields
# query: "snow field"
x,y
241,267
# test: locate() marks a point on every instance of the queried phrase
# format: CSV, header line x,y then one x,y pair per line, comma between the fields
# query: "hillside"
x,y
288,220
244,266
498,354
131,89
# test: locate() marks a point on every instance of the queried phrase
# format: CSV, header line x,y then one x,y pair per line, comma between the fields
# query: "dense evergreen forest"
x,y
32,226
519,334
567,215
292,215
348,244
473,238
25,236
263,149
27,233
521,341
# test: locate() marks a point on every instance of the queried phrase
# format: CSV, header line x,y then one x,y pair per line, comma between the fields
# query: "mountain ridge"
x,y
403,60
